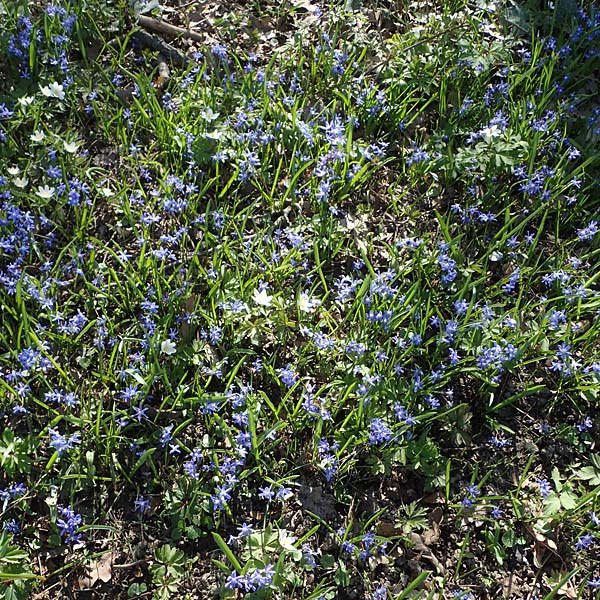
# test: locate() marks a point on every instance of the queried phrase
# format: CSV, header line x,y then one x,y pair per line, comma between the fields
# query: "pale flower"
x,y
306,303
20,182
71,147
262,298
54,90
25,101
168,347
37,136
13,171
286,541
46,192
489,133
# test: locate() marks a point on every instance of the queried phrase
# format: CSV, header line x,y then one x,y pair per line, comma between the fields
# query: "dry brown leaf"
x,y
432,535
305,5
425,552
100,570
540,538
510,585
548,542
387,529
377,560
539,550
164,74
568,590
436,515
418,542
436,497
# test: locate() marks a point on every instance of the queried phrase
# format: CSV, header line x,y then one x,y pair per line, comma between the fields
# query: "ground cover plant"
x,y
308,309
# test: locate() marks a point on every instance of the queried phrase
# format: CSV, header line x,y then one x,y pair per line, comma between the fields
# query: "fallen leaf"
x,y
436,497
377,560
546,541
305,5
510,585
568,590
539,550
432,535
541,544
100,570
418,542
436,515
387,529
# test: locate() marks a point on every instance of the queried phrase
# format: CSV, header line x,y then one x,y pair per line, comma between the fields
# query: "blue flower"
x,y
544,487
585,541
594,583
379,432
61,443
245,530
418,155
140,412
266,493
496,512
221,498
129,393
219,51
288,376
235,581
141,505
380,593
585,425
348,547
68,524
11,526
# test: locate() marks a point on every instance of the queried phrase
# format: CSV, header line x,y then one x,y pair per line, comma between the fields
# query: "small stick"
x,y
155,43
162,27
129,565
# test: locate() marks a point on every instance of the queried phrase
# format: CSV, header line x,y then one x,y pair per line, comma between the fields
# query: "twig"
x,y
152,24
44,592
135,563
155,43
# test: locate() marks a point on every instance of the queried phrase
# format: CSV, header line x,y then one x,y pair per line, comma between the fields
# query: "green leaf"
x,y
19,575
568,500
556,478
141,7
13,556
327,561
12,592
499,554
413,585
509,538
170,556
227,551
136,589
142,460
552,505
341,576
589,474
